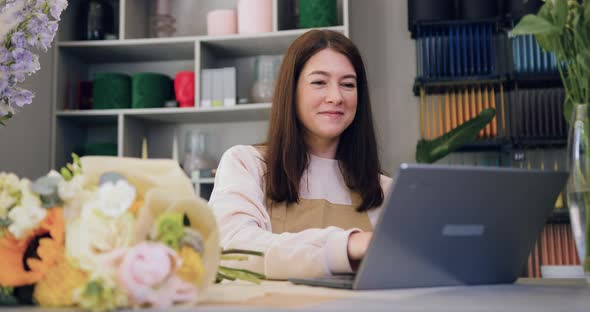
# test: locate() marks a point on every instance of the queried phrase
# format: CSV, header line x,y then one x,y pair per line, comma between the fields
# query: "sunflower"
x,y
30,258
56,288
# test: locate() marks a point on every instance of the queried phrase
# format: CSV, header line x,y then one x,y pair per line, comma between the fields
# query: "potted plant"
x,y
563,27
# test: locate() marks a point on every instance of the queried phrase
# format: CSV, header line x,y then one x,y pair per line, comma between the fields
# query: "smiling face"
x,y
326,95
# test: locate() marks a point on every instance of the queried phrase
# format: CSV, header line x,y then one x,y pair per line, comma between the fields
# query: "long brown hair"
x,y
285,152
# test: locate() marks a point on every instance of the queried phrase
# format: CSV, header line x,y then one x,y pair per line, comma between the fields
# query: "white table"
x,y
534,295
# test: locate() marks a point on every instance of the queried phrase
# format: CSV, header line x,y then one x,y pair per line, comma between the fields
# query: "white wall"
x,y
25,142
379,28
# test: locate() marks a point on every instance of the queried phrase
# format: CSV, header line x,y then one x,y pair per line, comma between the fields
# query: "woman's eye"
x,y
349,85
318,82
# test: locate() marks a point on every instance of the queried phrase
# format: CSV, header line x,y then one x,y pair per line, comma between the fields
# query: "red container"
x,y
184,88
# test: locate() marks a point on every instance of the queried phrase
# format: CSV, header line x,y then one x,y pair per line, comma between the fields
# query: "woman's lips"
x,y
332,113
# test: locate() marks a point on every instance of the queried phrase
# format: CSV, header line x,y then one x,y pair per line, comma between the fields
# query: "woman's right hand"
x,y
358,242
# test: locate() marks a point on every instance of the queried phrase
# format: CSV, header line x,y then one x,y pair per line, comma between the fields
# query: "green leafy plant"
x,y
563,27
232,274
429,151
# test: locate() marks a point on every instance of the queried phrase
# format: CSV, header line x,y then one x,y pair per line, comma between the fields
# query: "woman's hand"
x,y
357,247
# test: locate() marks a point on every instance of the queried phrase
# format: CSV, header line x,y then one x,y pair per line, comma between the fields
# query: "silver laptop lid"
x,y
457,225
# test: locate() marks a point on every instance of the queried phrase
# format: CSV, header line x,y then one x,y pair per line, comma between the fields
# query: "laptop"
x,y
454,225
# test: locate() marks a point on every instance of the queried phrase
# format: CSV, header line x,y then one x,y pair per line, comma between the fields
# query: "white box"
x,y
229,86
217,95
206,87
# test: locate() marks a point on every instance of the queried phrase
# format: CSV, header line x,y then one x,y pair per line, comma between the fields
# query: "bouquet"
x,y
107,233
24,24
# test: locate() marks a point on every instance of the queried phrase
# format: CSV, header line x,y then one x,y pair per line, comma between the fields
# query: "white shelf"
x,y
136,50
256,44
181,48
204,181
241,112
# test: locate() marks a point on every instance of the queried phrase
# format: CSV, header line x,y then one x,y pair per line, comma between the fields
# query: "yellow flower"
x,y
56,289
100,294
192,270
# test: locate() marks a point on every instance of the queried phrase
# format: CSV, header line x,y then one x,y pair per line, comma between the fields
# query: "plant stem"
x,y
241,251
258,275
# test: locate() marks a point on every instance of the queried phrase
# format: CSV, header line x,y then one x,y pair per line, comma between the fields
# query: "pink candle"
x,y
221,22
254,16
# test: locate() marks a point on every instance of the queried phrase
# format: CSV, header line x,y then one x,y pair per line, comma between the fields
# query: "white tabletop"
x,y
534,295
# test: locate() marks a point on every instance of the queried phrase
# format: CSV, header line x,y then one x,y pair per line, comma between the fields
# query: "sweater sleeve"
x,y
238,202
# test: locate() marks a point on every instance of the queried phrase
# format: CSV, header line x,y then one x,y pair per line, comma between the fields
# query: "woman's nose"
x,y
334,94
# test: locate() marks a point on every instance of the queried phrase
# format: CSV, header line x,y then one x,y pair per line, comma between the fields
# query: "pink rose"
x,y
147,272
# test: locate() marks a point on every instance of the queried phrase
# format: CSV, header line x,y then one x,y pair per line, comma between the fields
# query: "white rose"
x,y
6,201
27,215
115,198
68,190
94,234
25,220
9,191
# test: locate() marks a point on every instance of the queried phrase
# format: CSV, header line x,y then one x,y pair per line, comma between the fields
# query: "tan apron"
x,y
316,213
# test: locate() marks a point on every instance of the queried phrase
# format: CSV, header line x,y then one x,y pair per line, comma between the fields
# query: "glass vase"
x,y
578,186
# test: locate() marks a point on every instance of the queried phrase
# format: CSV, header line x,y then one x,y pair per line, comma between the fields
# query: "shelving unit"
x,y
528,98
134,51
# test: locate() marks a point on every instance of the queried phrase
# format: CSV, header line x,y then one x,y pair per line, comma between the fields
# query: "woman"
x,y
309,197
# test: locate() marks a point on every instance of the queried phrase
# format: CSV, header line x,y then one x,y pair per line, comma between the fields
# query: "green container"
x,y
97,149
151,90
111,90
317,13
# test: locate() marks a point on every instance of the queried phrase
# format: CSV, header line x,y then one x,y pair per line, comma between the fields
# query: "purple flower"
x,y
19,39
8,5
5,56
37,23
21,55
21,97
56,7
46,37
25,63
3,83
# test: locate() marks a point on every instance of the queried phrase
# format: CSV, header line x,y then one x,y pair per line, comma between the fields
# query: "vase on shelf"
x,y
162,22
578,186
266,69
96,20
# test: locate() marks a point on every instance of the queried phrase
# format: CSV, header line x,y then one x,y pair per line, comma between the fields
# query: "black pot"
x,y
95,20
430,10
519,8
478,9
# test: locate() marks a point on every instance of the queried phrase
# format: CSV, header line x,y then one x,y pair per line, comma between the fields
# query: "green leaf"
x,y
583,60
5,222
568,108
548,42
429,151
560,11
534,25
234,258
242,251
5,118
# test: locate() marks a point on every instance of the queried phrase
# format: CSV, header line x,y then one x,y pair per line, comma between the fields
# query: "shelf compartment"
x,y
72,132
